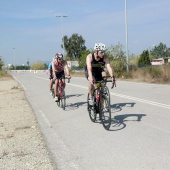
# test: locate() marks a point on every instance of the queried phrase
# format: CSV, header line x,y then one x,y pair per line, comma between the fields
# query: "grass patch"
x,y
153,74
4,74
79,73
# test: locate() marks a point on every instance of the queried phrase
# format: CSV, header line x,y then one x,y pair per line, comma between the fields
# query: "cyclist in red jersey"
x,y
58,67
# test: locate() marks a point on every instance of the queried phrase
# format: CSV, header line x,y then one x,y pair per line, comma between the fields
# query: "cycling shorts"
x,y
60,74
96,74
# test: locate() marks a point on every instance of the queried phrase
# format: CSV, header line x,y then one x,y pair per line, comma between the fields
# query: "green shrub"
x,y
3,73
155,71
38,66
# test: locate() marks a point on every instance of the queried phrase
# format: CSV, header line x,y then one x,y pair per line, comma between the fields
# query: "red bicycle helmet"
x,y
59,56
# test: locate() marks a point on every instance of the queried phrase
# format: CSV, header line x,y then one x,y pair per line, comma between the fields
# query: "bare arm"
x,y
67,69
49,74
109,68
53,68
89,67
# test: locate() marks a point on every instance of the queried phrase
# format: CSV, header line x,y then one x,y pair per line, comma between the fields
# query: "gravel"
x,y
22,145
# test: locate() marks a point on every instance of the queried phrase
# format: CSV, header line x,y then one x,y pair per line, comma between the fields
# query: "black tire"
x,y
53,93
59,102
63,101
91,110
105,111
106,92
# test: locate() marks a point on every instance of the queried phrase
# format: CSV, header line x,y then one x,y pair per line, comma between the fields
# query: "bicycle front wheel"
x,y
105,111
63,101
106,92
58,102
91,109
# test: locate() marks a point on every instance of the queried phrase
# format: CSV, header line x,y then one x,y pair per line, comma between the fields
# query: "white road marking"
x,y
142,100
130,97
124,96
155,127
19,83
60,145
45,118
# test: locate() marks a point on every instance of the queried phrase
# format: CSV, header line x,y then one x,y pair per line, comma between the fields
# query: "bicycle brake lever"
x,y
114,84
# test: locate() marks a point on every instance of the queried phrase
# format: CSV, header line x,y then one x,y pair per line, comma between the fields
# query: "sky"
x,y
30,30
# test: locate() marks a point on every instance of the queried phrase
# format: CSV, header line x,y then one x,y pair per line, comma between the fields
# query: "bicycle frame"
x,y
101,96
61,93
60,88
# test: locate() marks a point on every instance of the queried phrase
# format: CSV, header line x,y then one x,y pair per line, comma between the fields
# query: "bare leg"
x,y
64,84
90,89
56,87
51,84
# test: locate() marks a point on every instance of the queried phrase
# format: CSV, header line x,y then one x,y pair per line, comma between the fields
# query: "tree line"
x,y
76,50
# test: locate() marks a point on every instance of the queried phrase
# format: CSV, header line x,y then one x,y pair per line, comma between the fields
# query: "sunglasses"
x,y
59,59
102,52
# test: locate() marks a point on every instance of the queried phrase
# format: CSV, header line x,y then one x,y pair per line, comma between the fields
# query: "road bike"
x,y
101,103
61,93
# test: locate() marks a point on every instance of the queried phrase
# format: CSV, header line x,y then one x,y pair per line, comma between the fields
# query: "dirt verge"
x,y
21,143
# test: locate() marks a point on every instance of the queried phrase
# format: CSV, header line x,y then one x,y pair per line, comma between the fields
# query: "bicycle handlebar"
x,y
113,84
63,78
68,79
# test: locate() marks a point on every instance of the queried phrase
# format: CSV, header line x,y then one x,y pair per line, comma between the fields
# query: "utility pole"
x,y
126,28
62,28
14,59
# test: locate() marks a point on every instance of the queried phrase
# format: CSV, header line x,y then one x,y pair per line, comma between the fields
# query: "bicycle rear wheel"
x,y
91,109
63,101
59,102
52,90
105,111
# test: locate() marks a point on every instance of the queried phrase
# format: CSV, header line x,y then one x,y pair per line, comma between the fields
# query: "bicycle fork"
x,y
61,90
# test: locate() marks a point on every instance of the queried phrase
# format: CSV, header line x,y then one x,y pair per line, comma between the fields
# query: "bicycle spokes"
x,y
91,109
105,112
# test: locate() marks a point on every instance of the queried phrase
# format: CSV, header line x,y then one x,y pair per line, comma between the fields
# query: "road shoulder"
x,y
21,142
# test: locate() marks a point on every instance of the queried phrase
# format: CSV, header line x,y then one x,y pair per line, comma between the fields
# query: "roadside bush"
x,y
119,67
166,73
38,66
1,64
154,71
4,73
127,75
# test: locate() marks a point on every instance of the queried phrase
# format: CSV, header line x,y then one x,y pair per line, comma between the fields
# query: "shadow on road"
x,y
73,106
74,95
118,122
118,106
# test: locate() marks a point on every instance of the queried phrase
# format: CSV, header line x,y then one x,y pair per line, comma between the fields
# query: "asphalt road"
x,y
139,138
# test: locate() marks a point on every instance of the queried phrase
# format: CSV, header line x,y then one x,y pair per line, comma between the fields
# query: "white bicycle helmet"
x,y
59,55
99,46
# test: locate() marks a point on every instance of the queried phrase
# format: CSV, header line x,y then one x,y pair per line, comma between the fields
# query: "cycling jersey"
x,y
59,66
51,72
50,66
97,68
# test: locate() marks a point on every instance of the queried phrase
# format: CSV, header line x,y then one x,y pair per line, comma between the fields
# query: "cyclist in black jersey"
x,y
95,64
